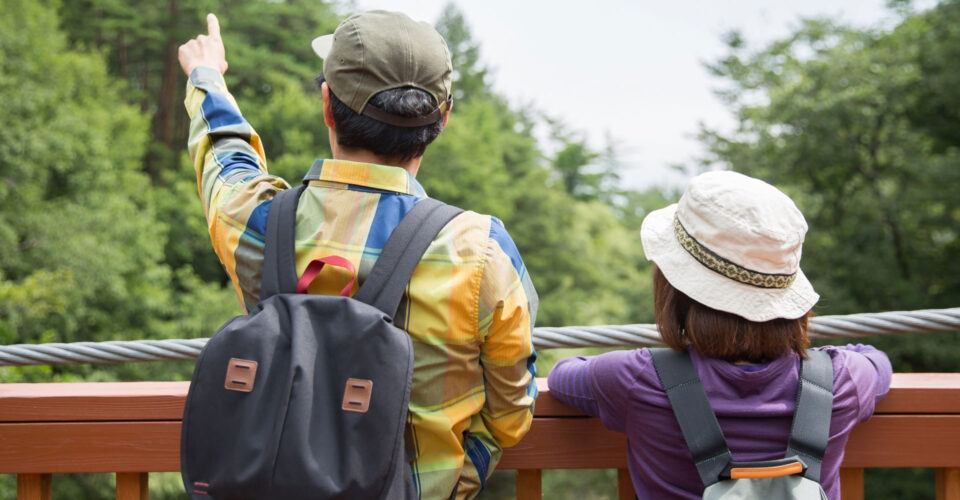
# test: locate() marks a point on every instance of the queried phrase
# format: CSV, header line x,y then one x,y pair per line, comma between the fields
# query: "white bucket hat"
x,y
733,243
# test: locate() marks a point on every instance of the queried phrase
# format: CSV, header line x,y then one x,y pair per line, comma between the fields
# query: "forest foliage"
x,y
102,235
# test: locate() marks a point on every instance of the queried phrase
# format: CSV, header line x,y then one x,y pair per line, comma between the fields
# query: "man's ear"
x,y
446,115
327,108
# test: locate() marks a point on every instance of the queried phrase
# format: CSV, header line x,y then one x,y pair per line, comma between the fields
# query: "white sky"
x,y
630,69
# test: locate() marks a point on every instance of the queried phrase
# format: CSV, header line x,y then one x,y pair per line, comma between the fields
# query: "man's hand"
x,y
205,50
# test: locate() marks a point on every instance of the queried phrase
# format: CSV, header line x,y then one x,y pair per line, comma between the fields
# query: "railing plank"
x,y
553,443
922,393
64,447
134,427
567,443
34,486
905,441
910,393
851,483
883,441
948,483
529,484
92,401
133,486
625,489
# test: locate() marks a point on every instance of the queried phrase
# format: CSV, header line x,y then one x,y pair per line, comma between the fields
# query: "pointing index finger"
x,y
213,26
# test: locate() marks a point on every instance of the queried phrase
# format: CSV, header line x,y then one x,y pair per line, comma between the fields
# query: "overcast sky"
x,y
630,69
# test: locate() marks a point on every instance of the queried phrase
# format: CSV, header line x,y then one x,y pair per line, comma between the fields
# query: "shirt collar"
x,y
368,175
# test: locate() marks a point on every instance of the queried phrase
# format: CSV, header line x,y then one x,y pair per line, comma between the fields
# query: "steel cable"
x,y
637,335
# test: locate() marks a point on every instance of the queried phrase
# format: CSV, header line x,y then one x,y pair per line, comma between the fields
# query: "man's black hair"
x,y
384,140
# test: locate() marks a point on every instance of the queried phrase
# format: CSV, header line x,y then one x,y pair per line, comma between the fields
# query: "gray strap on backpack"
x,y
811,419
279,264
699,425
388,279
701,430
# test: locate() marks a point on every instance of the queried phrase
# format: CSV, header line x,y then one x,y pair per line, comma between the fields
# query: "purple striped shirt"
x,y
753,403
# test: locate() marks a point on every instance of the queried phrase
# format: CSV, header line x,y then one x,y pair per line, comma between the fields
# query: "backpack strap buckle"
x,y
764,469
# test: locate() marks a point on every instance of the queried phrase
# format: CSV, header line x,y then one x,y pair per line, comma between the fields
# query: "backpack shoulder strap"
x,y
388,279
279,264
811,419
699,424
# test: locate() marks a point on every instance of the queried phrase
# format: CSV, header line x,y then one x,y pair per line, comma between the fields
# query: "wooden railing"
x,y
133,428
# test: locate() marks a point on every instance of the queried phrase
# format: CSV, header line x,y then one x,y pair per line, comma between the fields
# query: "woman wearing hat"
x,y
729,290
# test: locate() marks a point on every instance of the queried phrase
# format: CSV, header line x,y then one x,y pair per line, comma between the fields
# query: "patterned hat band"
x,y
723,266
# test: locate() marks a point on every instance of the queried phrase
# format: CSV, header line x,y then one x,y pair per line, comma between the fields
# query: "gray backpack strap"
x,y
811,419
388,279
699,425
279,264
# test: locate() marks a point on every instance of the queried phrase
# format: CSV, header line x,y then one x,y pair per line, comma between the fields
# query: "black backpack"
x,y
306,396
797,475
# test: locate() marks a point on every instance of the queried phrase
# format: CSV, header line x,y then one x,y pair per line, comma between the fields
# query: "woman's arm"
x,y
601,386
870,371
569,383
881,364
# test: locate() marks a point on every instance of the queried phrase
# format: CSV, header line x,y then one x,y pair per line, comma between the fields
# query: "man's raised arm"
x,y
227,155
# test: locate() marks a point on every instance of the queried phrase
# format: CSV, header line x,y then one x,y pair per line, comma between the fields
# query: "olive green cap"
x,y
379,50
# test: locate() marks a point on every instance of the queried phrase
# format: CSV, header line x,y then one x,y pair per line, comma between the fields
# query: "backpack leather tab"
x,y
356,395
241,374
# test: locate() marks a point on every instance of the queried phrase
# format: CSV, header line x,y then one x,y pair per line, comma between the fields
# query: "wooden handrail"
x,y
134,427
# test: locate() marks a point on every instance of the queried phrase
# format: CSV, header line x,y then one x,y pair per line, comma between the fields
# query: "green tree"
x,y
470,76
81,246
140,39
836,128
937,106
586,264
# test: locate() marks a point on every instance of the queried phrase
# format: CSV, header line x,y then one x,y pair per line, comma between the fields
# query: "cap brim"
x,y
712,289
321,45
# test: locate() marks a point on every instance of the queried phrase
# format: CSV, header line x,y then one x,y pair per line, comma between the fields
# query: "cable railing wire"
x,y
637,335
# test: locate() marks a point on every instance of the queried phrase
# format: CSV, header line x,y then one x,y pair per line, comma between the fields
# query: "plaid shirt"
x,y
469,309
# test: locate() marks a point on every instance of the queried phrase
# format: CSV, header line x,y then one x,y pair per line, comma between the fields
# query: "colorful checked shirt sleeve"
x,y
231,169
507,313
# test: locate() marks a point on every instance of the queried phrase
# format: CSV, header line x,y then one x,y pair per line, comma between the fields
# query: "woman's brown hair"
x,y
684,323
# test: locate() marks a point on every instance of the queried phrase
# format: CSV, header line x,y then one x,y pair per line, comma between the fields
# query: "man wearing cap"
x,y
470,306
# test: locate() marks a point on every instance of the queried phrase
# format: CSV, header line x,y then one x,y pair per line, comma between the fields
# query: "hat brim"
x,y
321,45
713,289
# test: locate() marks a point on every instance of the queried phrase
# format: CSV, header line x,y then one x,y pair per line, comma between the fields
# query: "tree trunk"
x,y
122,54
145,101
887,211
164,120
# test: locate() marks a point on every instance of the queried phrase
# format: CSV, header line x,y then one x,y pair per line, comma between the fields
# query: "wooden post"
x,y
948,483
851,483
34,487
133,486
529,486
625,489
